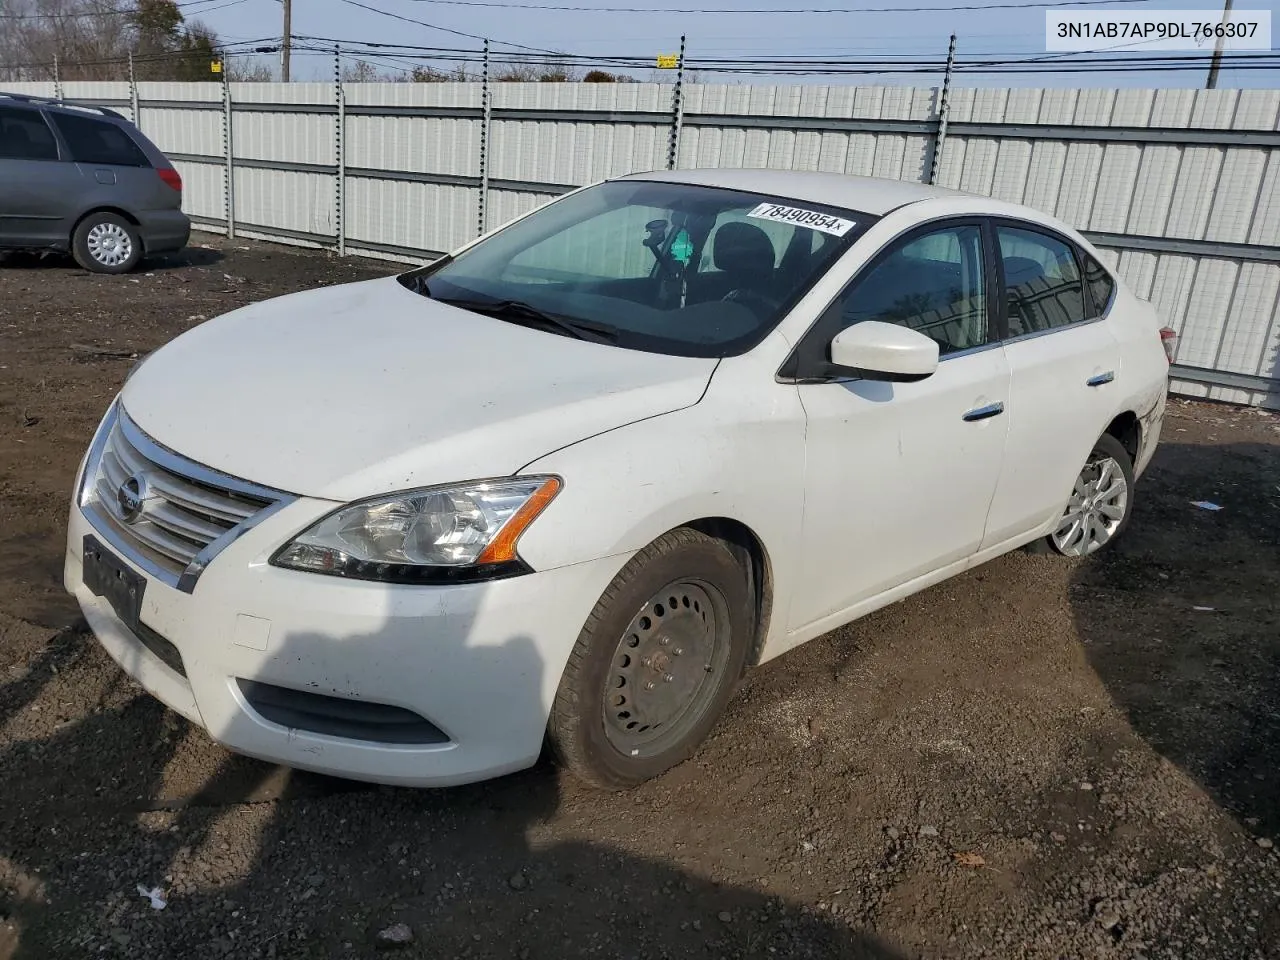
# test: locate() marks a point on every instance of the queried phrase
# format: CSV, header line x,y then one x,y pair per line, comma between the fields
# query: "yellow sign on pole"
x,y
668,61
215,66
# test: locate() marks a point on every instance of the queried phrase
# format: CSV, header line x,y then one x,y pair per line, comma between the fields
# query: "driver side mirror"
x,y
875,350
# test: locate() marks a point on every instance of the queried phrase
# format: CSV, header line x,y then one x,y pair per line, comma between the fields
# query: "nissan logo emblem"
x,y
132,497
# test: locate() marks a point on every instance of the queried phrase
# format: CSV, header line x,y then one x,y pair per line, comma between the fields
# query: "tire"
x,y
1103,518
106,243
628,707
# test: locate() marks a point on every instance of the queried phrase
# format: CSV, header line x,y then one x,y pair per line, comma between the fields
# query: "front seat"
x,y
744,253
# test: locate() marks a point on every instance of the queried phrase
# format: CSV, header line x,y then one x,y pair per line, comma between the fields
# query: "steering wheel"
x,y
758,303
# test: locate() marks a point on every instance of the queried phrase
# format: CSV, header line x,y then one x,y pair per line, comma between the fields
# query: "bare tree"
x,y
92,40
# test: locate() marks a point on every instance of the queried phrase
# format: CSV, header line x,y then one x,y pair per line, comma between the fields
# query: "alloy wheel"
x,y
1096,509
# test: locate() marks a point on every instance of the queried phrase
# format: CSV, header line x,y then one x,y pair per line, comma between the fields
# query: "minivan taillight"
x,y
171,177
1169,340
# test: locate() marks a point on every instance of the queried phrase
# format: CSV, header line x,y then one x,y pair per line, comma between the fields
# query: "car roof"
x,y
52,103
872,195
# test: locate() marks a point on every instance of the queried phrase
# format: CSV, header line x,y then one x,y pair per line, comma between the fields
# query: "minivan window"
x,y
671,268
1042,280
1101,286
96,141
934,283
25,136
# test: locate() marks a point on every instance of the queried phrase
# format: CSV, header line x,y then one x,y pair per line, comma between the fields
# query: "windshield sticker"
x,y
800,217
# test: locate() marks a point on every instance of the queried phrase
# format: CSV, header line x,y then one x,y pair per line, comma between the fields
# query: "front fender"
x,y
738,454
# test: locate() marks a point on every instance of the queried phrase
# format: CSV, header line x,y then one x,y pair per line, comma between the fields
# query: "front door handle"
x,y
984,413
1098,379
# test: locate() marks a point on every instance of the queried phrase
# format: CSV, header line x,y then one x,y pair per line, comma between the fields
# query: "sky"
x,y
1006,32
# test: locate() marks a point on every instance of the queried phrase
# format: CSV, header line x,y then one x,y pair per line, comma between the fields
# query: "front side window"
x,y
934,283
96,141
1042,280
25,136
671,268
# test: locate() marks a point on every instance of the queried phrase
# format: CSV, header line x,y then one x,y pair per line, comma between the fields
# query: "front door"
x,y
899,476
33,183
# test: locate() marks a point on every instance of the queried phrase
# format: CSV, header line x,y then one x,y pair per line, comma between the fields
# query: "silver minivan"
x,y
83,179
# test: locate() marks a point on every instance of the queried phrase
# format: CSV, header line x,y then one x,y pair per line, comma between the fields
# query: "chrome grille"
x,y
176,514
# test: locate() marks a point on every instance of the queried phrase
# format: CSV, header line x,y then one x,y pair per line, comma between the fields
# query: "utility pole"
x,y
1216,65
287,41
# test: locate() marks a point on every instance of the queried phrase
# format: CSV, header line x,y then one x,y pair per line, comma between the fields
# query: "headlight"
x,y
448,534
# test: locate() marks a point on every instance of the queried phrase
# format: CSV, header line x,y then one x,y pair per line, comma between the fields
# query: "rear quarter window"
x,y
96,141
1099,282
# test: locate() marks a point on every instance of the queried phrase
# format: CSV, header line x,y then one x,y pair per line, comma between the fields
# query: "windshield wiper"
x,y
527,315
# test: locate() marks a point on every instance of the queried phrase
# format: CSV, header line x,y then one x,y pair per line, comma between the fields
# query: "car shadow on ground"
x,y
52,260
1200,680
466,870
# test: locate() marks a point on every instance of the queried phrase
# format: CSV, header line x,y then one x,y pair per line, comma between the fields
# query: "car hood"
x,y
366,388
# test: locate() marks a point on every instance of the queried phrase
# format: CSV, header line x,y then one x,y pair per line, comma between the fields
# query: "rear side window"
x,y
25,136
1100,284
96,141
1042,281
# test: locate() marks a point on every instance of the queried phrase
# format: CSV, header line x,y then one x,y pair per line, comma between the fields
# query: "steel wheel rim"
x,y
1095,510
109,244
670,658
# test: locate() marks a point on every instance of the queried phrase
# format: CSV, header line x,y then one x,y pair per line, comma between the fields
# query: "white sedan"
x,y
564,486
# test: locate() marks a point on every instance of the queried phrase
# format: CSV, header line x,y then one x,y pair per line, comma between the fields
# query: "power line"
x,y
434,26
1248,62
114,12
774,10
1153,61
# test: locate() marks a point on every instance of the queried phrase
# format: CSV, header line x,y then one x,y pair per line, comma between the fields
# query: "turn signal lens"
x,y
1169,340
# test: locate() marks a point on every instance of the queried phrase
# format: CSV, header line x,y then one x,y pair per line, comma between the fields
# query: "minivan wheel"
x,y
106,243
1100,504
655,664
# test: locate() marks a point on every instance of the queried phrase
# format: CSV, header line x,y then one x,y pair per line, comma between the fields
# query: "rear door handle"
x,y
984,413
1098,379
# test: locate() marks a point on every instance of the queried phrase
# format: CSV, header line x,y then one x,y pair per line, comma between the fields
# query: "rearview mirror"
x,y
874,350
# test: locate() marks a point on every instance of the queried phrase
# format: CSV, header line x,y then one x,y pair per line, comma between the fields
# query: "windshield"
x,y
665,267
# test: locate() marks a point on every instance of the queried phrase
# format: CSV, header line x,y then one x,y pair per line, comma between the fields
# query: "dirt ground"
x,y
1037,759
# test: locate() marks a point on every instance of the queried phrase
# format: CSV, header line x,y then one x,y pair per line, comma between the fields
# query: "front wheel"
x,y
1100,502
106,243
655,664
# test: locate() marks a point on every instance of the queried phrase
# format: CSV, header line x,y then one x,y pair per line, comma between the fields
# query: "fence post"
x,y
133,96
228,194
57,79
482,201
340,152
677,111
944,101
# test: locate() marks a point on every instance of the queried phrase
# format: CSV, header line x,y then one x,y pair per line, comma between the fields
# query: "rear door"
x,y
34,183
1063,362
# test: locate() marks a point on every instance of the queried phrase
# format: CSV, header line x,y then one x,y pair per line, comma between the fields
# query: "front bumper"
x,y
479,661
